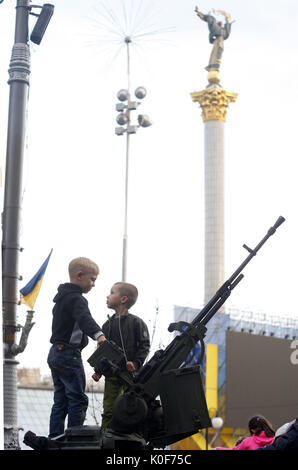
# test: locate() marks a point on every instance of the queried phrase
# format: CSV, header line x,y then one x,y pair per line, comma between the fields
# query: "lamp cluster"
x,y
125,107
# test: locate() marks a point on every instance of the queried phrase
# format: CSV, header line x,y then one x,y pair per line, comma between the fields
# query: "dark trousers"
x,y
69,388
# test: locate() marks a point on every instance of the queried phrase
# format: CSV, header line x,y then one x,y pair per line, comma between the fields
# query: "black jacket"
x,y
135,337
72,321
287,441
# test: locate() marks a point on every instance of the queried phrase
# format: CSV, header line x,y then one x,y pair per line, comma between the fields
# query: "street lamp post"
x,y
124,107
217,423
19,72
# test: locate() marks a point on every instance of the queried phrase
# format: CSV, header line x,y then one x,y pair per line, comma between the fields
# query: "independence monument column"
x,y
214,101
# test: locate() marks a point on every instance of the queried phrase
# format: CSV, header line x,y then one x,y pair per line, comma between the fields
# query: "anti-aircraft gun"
x,y
164,401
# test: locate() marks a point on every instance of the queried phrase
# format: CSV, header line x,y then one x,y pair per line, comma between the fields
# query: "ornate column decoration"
x,y
214,102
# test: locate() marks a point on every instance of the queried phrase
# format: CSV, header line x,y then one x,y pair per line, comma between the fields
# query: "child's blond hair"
x,y
85,265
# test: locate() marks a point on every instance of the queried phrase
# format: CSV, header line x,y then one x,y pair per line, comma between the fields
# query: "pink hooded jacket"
x,y
251,443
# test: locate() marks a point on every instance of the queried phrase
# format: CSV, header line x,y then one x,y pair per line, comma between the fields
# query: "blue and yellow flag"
x,y
31,290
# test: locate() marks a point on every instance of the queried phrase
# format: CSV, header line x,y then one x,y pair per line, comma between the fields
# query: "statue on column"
x,y
217,34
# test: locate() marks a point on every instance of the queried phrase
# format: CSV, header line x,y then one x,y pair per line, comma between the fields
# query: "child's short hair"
x,y
82,264
130,291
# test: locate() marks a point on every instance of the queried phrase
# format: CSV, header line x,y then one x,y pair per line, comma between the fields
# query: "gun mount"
x,y
164,401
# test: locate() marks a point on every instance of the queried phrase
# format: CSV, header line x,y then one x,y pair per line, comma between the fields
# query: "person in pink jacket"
x,y
261,432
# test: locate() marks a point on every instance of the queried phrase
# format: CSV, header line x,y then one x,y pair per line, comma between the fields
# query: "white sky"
x,y
74,166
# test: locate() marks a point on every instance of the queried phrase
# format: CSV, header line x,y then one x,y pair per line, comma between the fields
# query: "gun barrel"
x,y
279,221
224,291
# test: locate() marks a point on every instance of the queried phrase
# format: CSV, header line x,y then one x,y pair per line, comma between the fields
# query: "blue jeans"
x,y
69,388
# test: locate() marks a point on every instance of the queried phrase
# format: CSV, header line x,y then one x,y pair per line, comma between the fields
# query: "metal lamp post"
x,y
124,107
19,72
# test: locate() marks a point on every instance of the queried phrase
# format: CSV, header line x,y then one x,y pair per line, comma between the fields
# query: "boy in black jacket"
x,y
72,324
130,333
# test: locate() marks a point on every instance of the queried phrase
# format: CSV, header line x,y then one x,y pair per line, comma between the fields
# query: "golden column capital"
x,y
214,102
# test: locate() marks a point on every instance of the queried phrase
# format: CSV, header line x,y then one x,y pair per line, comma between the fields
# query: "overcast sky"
x,y
74,167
